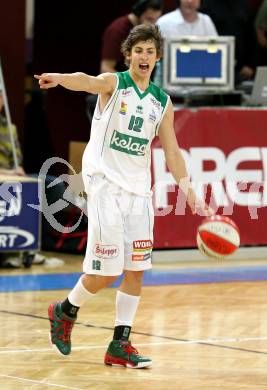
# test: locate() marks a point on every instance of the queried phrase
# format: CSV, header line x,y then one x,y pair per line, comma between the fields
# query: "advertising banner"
x,y
226,156
19,221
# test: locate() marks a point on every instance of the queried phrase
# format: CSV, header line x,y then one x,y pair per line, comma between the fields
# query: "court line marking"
x,y
193,341
174,339
49,384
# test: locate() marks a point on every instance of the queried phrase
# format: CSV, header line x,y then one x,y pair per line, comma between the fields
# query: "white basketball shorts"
x,y
120,229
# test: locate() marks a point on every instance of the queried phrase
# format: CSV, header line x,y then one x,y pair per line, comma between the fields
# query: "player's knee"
x,y
134,275
94,283
110,279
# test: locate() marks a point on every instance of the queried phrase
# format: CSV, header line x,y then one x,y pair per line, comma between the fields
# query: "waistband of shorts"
x,y
98,178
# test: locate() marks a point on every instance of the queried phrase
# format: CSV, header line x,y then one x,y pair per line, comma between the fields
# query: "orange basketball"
x,y
218,236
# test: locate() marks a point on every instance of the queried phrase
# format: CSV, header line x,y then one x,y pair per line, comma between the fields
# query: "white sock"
x,y
79,295
126,306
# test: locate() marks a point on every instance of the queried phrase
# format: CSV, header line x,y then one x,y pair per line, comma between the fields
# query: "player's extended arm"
x,y
176,163
102,84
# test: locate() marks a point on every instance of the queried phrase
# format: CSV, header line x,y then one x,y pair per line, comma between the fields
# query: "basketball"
x,y
218,237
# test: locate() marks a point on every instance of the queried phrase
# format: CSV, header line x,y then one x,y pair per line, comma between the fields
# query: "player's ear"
x,y
128,56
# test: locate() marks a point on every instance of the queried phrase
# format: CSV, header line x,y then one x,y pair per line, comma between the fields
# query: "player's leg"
x,y
127,300
103,263
138,246
62,315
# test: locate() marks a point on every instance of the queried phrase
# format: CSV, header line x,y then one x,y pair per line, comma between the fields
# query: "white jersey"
x,y
121,136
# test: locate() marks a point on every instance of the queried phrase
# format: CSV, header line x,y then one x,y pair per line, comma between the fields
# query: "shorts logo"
x,y
142,250
142,245
123,109
106,251
96,264
128,144
141,257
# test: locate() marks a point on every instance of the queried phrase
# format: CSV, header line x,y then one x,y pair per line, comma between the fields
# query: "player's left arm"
x,y
175,162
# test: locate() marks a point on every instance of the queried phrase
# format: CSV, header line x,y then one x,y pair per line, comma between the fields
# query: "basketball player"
x,y
130,112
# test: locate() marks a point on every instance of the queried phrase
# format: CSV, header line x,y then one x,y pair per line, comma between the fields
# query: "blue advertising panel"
x,y
19,222
199,63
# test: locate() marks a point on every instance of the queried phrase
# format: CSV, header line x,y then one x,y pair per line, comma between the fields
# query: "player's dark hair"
x,y
142,33
142,5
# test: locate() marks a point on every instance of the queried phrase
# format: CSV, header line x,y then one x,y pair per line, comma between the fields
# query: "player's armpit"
x,y
104,83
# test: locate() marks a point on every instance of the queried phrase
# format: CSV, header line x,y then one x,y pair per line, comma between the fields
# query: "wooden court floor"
x,y
200,336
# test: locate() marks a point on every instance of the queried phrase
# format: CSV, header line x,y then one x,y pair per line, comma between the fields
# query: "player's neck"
x,y
141,82
189,16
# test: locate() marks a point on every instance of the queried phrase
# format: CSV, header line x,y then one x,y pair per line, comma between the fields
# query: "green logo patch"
x,y
128,144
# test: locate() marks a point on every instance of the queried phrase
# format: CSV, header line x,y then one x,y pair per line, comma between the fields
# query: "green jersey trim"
x,y
137,90
125,81
158,94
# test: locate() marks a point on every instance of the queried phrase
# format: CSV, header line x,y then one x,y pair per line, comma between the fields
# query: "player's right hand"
x,y
48,80
198,206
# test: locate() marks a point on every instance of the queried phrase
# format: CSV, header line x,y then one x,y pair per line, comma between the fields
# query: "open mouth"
x,y
144,66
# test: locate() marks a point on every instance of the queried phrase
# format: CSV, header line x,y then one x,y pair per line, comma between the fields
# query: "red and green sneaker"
x,y
122,353
60,331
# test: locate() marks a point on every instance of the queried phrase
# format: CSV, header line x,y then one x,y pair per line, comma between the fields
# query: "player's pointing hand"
x,y
48,80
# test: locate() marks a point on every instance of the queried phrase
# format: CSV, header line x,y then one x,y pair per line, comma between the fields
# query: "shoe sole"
x,y
140,365
108,362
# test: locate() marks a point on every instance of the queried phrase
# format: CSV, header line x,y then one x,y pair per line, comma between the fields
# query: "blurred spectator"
x,y
143,11
261,31
186,20
234,18
7,168
6,154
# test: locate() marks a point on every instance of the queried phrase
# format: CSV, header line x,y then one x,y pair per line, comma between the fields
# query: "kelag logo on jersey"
x,y
128,144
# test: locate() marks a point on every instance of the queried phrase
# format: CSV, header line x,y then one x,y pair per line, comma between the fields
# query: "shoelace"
x,y
128,348
67,327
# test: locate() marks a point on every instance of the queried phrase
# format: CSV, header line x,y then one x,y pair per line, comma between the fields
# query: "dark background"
x,y
67,38
12,53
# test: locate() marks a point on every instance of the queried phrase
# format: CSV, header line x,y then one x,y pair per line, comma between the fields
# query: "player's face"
x,y
143,58
189,5
150,16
